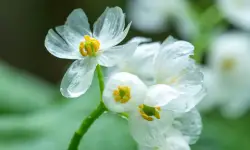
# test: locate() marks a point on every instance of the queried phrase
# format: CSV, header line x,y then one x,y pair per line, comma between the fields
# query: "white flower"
x,y
74,40
237,11
154,16
185,130
123,92
226,76
174,67
150,120
141,62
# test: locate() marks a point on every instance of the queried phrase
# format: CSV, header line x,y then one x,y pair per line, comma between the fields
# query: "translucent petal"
x,y
169,40
176,143
112,56
72,37
139,40
173,140
137,91
190,125
187,101
172,59
78,22
150,133
78,78
190,84
141,63
160,95
58,47
108,28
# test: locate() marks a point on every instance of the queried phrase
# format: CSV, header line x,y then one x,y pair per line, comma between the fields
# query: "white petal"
x,y
169,40
78,22
139,40
173,140
72,37
150,133
112,56
190,85
160,95
58,47
141,63
189,124
78,78
172,59
108,28
176,143
137,91
186,101
177,49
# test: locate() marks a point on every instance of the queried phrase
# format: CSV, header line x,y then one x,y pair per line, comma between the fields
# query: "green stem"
x,y
100,78
87,122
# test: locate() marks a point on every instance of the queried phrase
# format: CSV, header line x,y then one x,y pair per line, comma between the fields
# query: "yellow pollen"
x,y
89,47
148,112
122,94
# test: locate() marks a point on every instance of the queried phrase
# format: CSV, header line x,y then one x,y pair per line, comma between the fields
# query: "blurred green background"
x,y
34,115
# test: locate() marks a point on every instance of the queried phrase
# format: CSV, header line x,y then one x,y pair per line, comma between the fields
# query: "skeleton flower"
x,y
174,67
226,76
74,40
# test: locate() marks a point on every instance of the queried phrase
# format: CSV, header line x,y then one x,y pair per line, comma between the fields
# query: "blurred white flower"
x,y
226,76
174,67
155,16
236,11
74,40
185,130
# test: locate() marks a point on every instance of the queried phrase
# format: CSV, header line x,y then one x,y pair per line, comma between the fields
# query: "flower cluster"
x,y
157,85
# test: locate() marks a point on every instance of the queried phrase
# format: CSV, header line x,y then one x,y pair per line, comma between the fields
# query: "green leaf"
x,y
53,128
21,92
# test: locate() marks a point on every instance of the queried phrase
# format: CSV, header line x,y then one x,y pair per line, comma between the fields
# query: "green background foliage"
x,y
33,114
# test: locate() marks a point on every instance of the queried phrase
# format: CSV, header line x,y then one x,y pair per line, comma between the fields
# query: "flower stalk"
x,y
89,120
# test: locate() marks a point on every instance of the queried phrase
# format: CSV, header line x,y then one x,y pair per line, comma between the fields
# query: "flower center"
x,y
122,94
89,46
228,64
148,112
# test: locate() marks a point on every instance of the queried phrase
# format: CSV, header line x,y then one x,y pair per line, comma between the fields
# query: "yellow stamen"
x,y
122,94
148,112
89,46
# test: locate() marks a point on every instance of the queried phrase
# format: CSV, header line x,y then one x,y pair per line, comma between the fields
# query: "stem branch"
x,y
87,122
